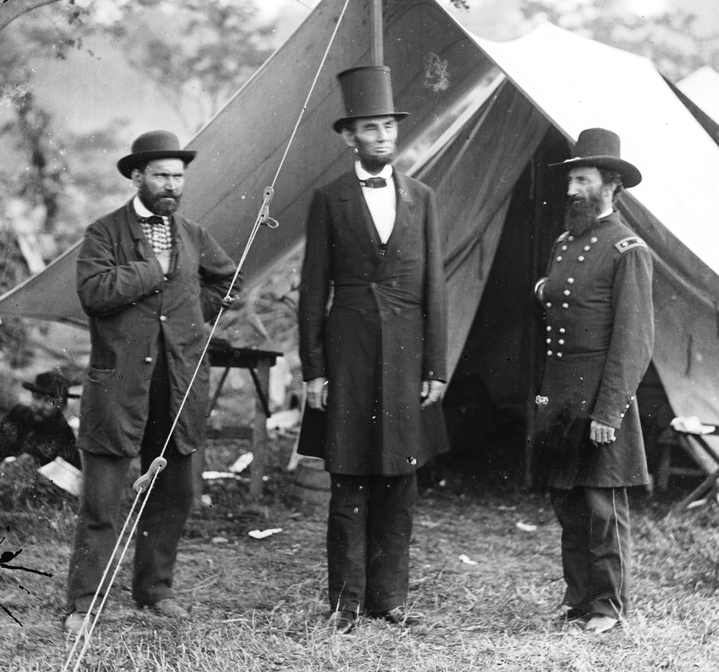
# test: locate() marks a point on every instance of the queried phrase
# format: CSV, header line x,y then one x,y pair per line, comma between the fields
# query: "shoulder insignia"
x,y
629,244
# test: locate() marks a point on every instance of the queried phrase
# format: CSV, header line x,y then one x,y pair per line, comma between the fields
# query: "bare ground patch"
x,y
260,605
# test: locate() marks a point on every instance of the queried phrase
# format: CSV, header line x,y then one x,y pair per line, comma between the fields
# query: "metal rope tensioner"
x,y
142,483
263,219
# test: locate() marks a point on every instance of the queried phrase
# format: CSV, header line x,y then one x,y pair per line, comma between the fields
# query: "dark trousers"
x,y
368,535
163,519
596,548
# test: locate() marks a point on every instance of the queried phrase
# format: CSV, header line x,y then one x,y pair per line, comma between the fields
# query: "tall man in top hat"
x,y
148,279
375,364
588,445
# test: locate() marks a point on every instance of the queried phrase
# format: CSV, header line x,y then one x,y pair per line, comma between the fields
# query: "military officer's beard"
x,y
582,214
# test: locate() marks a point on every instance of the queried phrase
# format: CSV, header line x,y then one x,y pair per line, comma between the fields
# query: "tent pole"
x,y
377,37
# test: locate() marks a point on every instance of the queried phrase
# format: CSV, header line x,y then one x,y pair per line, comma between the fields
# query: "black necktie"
x,y
153,220
374,182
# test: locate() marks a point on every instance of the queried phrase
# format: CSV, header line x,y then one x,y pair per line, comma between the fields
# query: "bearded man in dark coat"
x,y
148,279
375,365
588,446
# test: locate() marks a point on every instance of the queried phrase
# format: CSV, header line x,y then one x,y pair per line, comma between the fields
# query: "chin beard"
x,y
373,164
582,215
161,204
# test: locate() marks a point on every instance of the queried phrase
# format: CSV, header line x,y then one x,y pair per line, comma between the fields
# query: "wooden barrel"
x,y
311,485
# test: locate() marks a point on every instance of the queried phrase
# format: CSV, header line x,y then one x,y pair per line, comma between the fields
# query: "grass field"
x,y
259,605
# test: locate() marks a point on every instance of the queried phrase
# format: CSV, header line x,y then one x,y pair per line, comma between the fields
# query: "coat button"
x,y
549,340
559,258
559,354
549,328
549,304
549,353
373,285
561,341
562,330
570,281
570,239
587,248
148,360
593,239
163,318
567,292
580,258
565,306
564,247
164,277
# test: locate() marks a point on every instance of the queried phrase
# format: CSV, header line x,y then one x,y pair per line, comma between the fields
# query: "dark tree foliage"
x,y
13,335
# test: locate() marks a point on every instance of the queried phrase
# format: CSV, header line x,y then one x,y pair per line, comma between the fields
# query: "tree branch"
x,y
11,9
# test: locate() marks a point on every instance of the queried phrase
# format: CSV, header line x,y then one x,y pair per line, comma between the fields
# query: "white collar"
x,y
606,213
362,174
142,211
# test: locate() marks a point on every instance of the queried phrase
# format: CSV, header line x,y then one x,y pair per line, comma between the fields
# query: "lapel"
x,y
358,219
405,213
356,216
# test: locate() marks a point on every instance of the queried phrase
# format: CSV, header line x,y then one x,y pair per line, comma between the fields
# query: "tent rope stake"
x,y
145,483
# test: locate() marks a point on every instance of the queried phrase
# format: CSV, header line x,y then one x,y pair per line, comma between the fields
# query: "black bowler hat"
x,y
51,384
599,147
152,146
367,92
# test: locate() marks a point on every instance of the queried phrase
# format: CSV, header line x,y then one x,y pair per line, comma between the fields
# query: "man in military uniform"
x,y
374,365
588,445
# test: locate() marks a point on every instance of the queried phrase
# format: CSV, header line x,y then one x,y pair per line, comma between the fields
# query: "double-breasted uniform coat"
x,y
384,334
599,339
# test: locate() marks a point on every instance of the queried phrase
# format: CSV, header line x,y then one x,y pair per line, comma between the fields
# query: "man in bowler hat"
x,y
41,429
588,447
375,364
148,279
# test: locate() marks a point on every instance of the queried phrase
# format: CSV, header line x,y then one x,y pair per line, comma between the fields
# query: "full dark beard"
x,y
159,204
582,215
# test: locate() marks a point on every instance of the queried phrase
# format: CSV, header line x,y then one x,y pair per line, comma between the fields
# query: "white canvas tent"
x,y
486,118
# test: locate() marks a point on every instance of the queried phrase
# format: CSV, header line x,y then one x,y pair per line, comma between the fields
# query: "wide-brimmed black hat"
x,y
599,147
151,146
367,92
51,384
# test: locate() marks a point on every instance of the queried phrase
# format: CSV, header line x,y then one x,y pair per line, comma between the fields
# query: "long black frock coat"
x,y
385,332
599,340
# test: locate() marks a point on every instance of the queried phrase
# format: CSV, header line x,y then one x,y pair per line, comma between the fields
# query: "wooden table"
x,y
258,363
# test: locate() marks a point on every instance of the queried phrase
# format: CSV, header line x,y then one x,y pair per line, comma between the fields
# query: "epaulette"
x,y
629,244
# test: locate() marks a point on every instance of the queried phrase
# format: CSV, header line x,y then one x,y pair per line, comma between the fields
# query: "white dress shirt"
x,y
382,203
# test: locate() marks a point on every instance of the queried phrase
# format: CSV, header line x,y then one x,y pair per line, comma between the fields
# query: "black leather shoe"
x,y
398,616
570,614
343,621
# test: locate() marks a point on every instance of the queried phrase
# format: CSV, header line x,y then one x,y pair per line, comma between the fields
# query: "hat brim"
x,y
127,163
631,176
341,123
41,390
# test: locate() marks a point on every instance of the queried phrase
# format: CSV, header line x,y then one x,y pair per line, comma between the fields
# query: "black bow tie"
x,y
154,220
374,182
